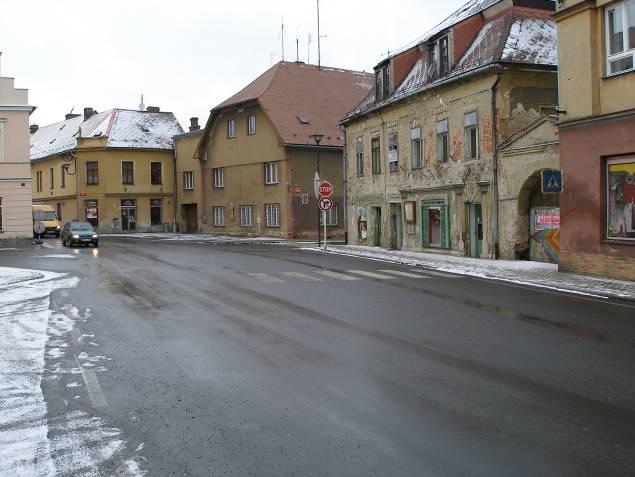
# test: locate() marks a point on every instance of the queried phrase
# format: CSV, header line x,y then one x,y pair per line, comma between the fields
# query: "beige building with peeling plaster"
x,y
16,221
425,167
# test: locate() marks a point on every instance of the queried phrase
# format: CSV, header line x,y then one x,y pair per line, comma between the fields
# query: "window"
x,y
416,148
231,128
375,153
1,139
305,199
219,216
127,172
271,172
444,55
621,199
443,145
51,179
59,211
62,176
393,152
38,181
246,215
251,124
156,173
331,217
92,173
155,211
382,82
470,122
218,176
1,216
620,37
188,180
359,154
272,215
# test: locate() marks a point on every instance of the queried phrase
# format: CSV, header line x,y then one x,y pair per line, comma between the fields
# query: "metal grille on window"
x,y
219,216
246,215
272,213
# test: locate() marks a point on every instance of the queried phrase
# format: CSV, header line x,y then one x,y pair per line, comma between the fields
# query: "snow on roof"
x,y
532,40
471,8
123,128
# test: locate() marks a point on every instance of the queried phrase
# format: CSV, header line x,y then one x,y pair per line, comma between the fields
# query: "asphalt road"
x,y
270,360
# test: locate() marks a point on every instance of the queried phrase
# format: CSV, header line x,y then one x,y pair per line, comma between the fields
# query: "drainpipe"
x,y
495,248
176,189
345,184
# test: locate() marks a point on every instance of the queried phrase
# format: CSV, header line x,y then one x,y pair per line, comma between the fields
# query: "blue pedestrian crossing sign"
x,y
551,181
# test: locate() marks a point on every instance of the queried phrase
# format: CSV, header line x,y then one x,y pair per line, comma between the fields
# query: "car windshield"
x,y
44,215
81,226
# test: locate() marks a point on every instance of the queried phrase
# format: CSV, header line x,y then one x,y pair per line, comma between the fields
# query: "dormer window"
x,y
444,55
382,82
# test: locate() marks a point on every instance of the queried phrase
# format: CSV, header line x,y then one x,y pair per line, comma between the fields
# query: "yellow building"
x,y
114,169
15,177
597,136
251,170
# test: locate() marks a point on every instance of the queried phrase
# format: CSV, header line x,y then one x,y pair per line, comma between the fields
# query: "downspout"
x,y
345,184
176,189
495,247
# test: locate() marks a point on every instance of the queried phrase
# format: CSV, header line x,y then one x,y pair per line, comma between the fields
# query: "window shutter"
x,y
425,226
445,227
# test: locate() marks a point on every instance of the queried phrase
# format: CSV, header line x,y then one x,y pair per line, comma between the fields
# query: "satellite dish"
x,y
39,228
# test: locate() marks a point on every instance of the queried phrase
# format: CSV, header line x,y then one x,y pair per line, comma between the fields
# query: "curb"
x,y
606,295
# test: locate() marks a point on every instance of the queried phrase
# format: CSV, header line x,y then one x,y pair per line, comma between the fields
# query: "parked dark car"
x,y
79,233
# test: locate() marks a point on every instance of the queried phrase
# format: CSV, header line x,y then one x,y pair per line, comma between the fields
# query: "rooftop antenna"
x,y
142,107
282,39
297,49
318,20
308,50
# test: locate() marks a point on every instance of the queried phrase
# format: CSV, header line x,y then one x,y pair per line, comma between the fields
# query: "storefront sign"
x,y
547,219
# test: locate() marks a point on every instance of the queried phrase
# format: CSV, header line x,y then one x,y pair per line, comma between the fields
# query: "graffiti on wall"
x,y
549,242
545,234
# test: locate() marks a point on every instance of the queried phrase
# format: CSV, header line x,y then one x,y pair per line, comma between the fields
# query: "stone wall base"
x,y
617,267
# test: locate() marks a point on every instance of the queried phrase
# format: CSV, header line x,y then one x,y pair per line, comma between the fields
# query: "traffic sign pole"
x,y
324,220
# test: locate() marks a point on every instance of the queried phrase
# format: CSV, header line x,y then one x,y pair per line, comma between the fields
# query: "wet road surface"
x,y
269,360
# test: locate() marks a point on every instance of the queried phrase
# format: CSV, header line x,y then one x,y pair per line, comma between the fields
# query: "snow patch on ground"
x,y
57,255
32,442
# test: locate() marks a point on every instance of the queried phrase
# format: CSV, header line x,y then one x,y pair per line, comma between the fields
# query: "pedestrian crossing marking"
x,y
339,276
364,273
263,277
302,276
403,274
435,273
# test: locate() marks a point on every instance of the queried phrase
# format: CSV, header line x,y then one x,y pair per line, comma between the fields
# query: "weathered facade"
x,y
15,176
424,170
597,136
252,172
114,169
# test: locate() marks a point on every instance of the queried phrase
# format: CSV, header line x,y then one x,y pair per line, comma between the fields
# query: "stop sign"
x,y
326,189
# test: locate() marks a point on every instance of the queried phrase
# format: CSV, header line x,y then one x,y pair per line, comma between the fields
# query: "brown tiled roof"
x,y
288,90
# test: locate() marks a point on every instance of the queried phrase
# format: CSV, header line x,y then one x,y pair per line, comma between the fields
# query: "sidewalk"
x,y
534,274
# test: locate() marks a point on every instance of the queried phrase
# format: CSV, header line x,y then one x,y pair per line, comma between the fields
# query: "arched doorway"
x,y
538,236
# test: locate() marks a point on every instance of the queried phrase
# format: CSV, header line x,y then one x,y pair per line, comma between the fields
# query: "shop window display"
x,y
621,198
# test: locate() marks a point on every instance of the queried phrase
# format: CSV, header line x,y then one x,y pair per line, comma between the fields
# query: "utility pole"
x,y
282,39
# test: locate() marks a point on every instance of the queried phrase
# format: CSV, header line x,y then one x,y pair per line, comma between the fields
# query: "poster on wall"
x,y
546,219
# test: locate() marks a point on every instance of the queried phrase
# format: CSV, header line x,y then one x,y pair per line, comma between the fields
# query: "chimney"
x,y
194,124
33,128
153,109
71,115
88,113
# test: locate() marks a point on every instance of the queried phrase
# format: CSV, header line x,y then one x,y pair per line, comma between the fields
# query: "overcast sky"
x,y
187,56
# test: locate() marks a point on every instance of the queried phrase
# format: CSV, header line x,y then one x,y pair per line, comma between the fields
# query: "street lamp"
x,y
318,138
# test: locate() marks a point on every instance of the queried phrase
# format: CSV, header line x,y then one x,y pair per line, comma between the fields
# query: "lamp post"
x,y
318,138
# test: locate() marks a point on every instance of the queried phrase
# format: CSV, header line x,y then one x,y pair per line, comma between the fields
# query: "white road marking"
x,y
302,276
435,273
263,277
364,273
403,274
339,276
96,397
